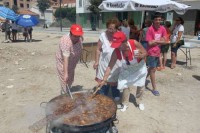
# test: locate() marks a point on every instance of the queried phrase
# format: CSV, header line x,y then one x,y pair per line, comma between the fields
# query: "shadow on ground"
x,y
168,63
33,40
132,99
76,88
196,77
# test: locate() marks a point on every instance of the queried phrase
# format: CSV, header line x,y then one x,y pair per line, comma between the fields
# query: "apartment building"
x,y
64,3
21,4
1,2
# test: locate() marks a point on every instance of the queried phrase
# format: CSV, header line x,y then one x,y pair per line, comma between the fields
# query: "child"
x,y
155,37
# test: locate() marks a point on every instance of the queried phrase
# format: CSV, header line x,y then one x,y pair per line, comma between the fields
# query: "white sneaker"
x,y
141,106
124,108
114,129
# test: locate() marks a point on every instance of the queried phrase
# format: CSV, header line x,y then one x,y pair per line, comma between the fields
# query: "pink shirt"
x,y
155,34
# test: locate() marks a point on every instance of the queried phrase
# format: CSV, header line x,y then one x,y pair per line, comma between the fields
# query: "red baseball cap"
x,y
76,30
118,38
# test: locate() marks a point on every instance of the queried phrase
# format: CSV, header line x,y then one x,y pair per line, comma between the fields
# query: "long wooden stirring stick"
x,y
69,91
94,93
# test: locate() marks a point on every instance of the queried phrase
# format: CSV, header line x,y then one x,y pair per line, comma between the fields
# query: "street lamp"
x,y
60,17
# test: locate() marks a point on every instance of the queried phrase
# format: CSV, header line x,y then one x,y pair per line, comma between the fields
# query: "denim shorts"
x,y
175,49
152,61
164,48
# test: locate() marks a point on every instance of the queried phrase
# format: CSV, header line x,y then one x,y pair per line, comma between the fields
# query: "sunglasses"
x,y
127,61
178,20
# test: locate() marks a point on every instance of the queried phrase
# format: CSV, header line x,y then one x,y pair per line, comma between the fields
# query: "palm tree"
x,y
94,4
43,5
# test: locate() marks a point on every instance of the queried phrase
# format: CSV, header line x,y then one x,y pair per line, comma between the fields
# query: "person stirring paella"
x,y
68,55
133,71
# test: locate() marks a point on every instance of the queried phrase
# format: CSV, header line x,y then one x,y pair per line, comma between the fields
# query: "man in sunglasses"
x,y
133,71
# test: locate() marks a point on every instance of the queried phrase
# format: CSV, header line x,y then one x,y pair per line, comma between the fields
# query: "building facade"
x,y
64,3
85,17
55,4
1,2
21,4
191,17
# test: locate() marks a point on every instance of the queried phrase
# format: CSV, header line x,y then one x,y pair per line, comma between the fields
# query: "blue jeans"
x,y
152,61
105,89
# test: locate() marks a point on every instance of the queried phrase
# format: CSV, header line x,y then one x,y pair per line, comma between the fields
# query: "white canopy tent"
x,y
143,5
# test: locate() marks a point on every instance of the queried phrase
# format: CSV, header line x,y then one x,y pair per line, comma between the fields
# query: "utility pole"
x,y
60,17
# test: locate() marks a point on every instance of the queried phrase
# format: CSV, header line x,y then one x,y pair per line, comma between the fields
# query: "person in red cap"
x,y
133,71
68,55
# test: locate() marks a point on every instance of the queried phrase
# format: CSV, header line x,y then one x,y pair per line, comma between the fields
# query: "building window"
x,y
15,2
27,5
21,5
7,4
80,3
28,0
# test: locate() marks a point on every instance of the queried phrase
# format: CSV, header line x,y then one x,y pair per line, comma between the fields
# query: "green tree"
x,y
43,5
94,4
66,12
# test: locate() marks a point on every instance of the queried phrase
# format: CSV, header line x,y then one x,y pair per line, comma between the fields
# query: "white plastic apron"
x,y
133,74
104,60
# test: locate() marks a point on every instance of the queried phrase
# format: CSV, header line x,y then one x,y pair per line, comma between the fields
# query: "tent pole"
x,y
142,19
60,16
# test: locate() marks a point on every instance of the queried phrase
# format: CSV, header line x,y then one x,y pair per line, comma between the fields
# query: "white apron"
x,y
133,74
104,60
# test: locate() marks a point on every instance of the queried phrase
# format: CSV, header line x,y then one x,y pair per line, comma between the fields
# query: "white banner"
x,y
143,5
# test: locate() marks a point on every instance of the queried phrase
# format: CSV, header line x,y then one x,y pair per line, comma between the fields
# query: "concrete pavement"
x,y
89,33
57,30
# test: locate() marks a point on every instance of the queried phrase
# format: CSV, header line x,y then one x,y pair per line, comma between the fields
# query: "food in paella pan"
x,y
83,110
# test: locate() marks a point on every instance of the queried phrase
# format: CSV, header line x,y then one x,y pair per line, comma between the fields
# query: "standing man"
x,y
30,29
7,29
155,37
68,55
14,31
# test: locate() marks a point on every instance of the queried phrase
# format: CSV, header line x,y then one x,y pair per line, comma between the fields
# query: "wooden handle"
x,y
98,88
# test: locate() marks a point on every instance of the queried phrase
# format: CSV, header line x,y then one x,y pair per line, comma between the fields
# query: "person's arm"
x,y
65,48
178,38
65,68
150,38
109,68
142,52
162,40
97,56
141,35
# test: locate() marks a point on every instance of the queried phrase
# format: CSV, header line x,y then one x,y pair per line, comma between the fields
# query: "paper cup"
x,y
136,52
